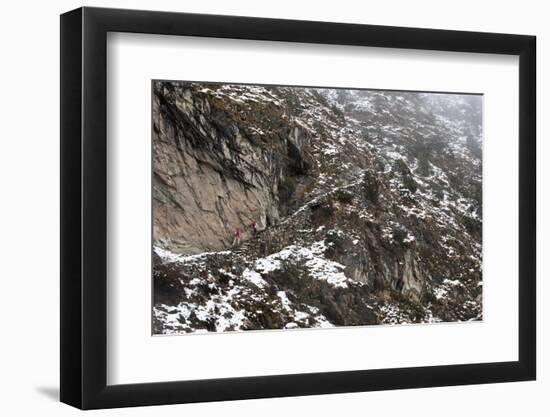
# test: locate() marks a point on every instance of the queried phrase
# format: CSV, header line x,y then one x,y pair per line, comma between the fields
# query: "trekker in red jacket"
x,y
237,238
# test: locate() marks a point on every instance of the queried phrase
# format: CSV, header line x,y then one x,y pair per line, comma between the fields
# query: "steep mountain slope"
x,y
367,203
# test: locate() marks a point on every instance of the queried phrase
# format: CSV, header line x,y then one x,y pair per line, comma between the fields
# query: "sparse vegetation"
x,y
286,188
322,214
371,186
344,196
335,241
472,225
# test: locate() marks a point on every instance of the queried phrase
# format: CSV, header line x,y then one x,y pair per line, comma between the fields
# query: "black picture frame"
x,y
84,207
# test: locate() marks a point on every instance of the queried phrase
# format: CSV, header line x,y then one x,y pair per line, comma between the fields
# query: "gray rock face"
x,y
368,207
211,175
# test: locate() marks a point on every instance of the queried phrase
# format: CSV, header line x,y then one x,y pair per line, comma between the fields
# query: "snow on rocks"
x,y
171,257
254,277
218,311
301,318
312,258
442,291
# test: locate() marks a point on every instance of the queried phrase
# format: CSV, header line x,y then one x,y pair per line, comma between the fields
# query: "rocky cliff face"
x,y
368,206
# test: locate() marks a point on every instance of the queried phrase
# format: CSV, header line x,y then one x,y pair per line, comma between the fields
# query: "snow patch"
x,y
254,277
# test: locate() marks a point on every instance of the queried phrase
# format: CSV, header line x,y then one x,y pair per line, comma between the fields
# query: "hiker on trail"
x,y
237,238
254,227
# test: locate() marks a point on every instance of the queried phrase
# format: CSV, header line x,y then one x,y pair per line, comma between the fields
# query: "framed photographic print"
x,y
257,207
